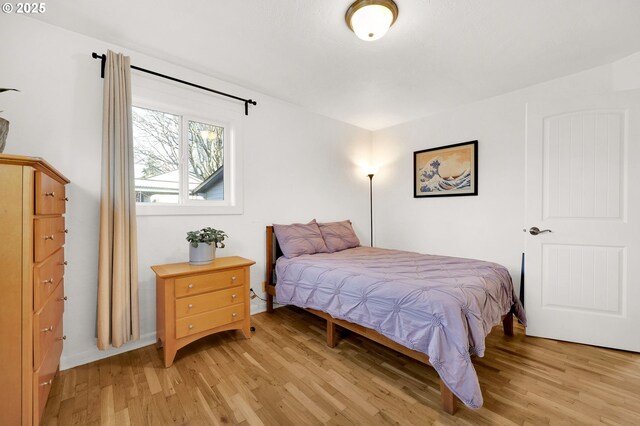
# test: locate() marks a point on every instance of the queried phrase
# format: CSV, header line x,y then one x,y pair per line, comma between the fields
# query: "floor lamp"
x,y
371,205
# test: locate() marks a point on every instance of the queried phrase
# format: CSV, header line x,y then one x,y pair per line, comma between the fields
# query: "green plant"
x,y
207,236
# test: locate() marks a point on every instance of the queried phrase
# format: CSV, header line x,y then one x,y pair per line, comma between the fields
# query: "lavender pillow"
x,y
298,238
338,235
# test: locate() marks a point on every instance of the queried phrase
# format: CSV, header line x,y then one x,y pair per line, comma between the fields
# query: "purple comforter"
x,y
441,306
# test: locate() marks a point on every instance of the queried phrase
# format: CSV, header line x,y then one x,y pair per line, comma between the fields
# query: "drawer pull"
x,y
50,194
190,305
65,263
62,299
234,315
66,198
233,296
233,279
66,231
190,286
190,326
62,338
47,383
46,330
49,281
49,237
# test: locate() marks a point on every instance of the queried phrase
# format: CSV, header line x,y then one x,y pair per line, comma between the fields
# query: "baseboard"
x,y
95,354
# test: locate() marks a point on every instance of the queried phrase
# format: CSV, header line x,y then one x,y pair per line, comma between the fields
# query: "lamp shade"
x,y
371,19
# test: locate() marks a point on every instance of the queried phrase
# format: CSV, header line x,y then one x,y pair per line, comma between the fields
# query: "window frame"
x,y
191,105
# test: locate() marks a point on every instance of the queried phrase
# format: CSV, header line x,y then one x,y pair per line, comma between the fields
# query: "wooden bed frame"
x,y
449,400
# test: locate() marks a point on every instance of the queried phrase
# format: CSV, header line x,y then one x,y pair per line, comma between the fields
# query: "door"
x,y
583,185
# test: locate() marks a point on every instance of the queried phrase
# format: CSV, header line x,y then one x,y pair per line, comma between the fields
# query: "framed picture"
x,y
446,171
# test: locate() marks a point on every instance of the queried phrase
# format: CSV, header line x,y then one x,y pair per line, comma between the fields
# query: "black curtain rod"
x,y
103,59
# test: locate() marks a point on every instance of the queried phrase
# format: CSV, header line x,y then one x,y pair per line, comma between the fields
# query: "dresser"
x,y
32,263
194,301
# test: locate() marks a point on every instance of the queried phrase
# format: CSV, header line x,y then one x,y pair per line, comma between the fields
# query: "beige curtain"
x,y
118,318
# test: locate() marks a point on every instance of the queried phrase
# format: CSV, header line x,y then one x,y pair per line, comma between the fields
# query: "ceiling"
x,y
439,54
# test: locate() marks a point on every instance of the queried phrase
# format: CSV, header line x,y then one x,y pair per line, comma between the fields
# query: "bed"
x,y
435,309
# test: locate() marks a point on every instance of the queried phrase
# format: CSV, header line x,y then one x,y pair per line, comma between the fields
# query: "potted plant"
x,y
203,244
4,125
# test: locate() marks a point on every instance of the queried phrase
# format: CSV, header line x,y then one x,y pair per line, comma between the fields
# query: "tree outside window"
x,y
159,144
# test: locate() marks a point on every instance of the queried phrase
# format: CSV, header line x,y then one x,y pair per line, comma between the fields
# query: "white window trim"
x,y
194,105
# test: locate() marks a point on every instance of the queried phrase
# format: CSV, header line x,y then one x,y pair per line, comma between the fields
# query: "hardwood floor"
x,y
286,375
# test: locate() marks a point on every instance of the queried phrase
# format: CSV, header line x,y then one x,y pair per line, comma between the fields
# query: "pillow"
x,y
338,235
297,239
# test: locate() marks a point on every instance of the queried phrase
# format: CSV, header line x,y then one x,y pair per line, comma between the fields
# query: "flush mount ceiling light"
x,y
371,19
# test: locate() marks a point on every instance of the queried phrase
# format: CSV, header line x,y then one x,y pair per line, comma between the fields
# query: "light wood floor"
x,y
286,375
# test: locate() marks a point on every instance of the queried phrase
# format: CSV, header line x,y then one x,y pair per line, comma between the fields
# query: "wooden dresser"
x,y
32,235
196,301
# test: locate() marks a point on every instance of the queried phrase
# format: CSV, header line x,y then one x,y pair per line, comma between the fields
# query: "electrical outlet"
x,y
252,294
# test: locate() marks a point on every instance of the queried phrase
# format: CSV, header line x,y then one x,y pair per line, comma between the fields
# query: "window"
x,y
187,150
178,160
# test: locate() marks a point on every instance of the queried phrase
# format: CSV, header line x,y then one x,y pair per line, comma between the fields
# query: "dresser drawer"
x,y
208,320
47,325
43,379
48,236
193,305
50,195
197,284
46,277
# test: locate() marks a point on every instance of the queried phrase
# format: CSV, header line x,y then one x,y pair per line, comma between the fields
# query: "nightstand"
x,y
195,301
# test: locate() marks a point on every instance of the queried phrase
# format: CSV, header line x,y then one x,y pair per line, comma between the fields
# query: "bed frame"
x,y
449,400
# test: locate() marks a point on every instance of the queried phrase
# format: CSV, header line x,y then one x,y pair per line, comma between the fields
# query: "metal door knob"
x,y
535,230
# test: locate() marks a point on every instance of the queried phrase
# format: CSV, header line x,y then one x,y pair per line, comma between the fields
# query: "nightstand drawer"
x,y
203,322
50,195
208,282
193,305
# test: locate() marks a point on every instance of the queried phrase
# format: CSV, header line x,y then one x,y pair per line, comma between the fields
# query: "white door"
x,y
583,183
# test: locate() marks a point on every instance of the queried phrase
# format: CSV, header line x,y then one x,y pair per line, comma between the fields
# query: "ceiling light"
x,y
371,19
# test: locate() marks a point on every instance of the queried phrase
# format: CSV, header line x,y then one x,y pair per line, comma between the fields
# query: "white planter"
x,y
203,254
4,130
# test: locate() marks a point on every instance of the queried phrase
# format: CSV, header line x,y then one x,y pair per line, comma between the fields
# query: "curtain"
x,y
118,311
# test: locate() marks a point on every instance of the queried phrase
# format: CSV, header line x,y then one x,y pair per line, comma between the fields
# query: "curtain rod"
x,y
103,58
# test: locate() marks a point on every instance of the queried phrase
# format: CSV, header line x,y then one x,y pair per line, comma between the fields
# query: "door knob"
x,y
535,230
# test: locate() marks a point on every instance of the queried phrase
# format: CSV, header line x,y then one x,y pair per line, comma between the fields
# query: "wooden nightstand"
x,y
195,301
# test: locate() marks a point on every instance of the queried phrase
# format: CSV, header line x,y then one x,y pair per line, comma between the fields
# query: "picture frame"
x,y
446,171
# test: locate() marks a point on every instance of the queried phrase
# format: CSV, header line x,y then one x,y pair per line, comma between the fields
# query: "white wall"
x,y
488,226
297,165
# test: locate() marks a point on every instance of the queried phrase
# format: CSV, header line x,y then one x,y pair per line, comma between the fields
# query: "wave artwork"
x,y
431,180
447,170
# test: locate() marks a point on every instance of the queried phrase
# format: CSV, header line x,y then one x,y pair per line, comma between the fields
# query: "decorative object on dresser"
x,y
32,231
203,244
4,125
195,301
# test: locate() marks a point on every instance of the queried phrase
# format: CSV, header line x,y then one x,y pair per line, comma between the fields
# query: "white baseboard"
x,y
94,354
